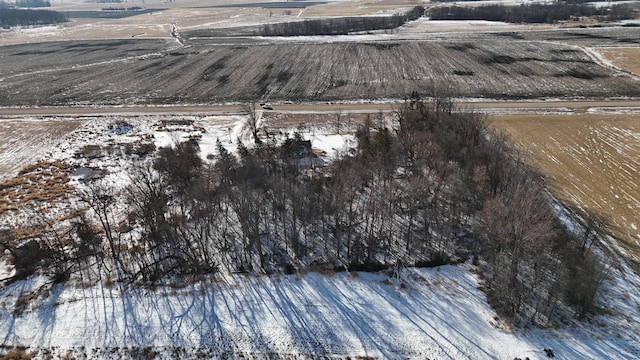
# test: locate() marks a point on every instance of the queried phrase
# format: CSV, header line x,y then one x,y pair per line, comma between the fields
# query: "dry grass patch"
x,y
16,354
38,184
627,59
592,160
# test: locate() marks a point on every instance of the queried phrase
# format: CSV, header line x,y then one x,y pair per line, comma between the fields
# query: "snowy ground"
x,y
26,139
427,313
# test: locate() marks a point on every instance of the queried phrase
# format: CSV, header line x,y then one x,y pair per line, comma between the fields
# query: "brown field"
x,y
592,160
627,59
23,141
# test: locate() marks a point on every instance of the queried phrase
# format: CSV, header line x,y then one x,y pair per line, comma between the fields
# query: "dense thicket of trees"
x,y
437,187
21,17
340,25
529,13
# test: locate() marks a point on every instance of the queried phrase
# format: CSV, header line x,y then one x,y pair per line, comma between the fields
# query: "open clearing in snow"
x,y
592,160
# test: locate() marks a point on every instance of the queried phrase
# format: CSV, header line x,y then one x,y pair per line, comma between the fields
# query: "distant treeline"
x,y
25,4
340,26
21,17
530,13
132,8
32,3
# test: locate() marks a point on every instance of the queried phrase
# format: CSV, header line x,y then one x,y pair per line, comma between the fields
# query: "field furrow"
x,y
592,161
204,73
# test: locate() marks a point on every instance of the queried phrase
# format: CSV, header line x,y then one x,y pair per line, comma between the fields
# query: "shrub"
x,y
16,354
365,266
90,151
438,259
289,269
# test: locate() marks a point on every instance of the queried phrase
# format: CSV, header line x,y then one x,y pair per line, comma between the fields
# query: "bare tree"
x,y
253,116
249,207
593,226
337,120
180,164
101,199
519,229
586,275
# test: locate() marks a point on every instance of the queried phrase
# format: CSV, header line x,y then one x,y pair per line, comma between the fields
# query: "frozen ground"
x,y
422,314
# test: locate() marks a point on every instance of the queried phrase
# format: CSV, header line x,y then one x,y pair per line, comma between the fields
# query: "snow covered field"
x,y
422,314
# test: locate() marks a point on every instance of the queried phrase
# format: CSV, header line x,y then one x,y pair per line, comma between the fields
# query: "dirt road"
x,y
513,107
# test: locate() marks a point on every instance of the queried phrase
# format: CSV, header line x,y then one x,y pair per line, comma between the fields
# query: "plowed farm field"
x,y
156,72
592,161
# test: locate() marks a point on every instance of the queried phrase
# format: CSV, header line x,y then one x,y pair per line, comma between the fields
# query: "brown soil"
x,y
627,59
592,160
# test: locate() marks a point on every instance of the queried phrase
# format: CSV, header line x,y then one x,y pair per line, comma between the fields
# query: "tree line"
x,y
25,4
530,13
340,25
438,187
23,17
